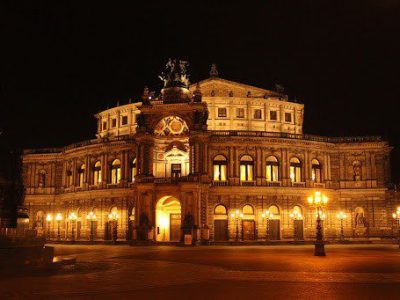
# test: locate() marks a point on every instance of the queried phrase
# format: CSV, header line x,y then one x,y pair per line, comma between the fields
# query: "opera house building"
x,y
217,159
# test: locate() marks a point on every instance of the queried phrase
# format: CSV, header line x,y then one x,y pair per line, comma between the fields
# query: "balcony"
x,y
220,183
309,137
273,183
248,183
320,185
361,184
298,184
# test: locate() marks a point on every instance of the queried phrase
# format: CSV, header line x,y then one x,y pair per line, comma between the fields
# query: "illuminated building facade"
x,y
228,160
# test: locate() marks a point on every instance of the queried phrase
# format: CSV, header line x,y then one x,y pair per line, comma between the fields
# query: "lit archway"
x,y
168,219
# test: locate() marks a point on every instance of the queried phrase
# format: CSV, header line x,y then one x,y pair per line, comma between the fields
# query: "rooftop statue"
x,y
176,74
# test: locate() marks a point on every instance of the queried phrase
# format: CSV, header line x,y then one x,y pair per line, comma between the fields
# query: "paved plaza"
x,y
216,272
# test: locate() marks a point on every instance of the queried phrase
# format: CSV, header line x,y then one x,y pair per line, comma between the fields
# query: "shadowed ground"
x,y
215,272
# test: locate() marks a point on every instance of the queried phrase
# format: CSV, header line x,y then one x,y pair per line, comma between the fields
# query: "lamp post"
x,y
295,215
341,216
267,216
58,219
113,217
49,218
236,216
318,201
91,217
73,217
396,217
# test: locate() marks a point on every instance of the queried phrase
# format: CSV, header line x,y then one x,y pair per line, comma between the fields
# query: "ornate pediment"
x,y
219,87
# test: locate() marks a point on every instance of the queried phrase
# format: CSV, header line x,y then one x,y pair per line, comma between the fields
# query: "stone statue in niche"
x,y
357,170
42,179
360,220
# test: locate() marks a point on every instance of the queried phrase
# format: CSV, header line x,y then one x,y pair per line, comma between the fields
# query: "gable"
x,y
219,87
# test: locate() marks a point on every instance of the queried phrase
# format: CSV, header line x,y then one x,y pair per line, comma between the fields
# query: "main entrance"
x,y
168,219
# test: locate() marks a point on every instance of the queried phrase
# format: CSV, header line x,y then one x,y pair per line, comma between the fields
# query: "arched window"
x,y
246,168
356,170
81,175
219,167
274,212
42,178
297,213
316,171
272,169
295,169
133,169
97,173
248,210
116,171
220,210
69,178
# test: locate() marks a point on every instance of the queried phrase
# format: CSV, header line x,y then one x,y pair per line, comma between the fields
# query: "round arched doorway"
x,y
168,219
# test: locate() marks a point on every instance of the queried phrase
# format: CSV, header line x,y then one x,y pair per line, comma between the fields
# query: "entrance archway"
x,y
168,219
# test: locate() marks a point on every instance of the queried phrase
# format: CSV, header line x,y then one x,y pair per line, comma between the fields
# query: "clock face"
x,y
171,125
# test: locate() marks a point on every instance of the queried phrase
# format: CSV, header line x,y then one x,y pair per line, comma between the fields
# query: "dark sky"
x,y
64,61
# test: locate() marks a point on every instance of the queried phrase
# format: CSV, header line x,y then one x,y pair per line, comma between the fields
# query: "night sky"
x,y
63,62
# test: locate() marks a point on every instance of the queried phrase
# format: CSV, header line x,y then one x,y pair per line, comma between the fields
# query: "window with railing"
x,y
295,170
81,175
219,168
246,168
272,169
316,171
115,171
97,173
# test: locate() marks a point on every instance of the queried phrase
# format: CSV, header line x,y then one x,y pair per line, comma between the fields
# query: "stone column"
x,y
231,158
145,157
342,167
306,164
284,167
236,162
104,169
74,173
87,170
64,174
258,166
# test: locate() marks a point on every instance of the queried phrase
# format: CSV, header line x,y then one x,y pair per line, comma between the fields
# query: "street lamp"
x,y
73,217
267,216
295,215
113,217
91,217
341,216
236,216
49,218
396,217
58,219
318,201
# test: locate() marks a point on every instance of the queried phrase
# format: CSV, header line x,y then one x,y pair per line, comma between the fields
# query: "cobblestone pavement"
x,y
215,272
